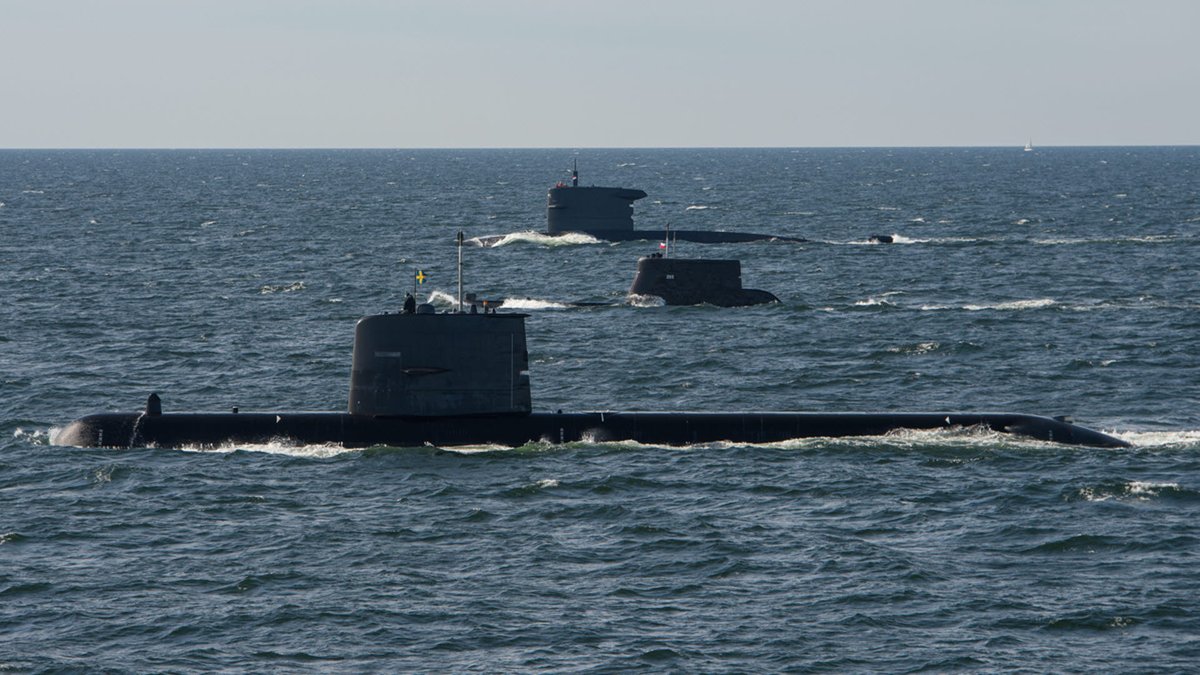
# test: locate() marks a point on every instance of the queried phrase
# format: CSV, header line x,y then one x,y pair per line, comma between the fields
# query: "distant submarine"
x,y
675,281
693,281
607,213
462,378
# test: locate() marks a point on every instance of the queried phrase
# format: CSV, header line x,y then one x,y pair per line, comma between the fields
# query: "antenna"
x,y
667,242
460,293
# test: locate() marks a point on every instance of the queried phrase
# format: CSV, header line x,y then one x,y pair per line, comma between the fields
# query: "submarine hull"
x,y
210,430
695,236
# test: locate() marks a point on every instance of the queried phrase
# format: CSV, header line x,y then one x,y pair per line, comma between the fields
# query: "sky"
x,y
597,73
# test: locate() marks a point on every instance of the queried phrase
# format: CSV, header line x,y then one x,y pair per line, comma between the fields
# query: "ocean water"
x,y
1059,281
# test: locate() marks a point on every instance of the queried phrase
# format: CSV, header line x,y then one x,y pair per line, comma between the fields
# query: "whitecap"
x,y
697,207
873,302
281,288
436,297
38,436
1142,491
536,238
1014,305
1186,439
531,303
279,447
638,300
479,449
919,348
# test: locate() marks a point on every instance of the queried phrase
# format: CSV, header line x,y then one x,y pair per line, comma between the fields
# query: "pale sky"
x,y
597,73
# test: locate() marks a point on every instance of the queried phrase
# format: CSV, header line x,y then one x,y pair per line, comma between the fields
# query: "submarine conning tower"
x,y
687,281
570,208
424,364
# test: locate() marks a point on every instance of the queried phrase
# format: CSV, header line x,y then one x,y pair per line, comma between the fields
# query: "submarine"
x,y
454,379
457,378
606,213
691,281
676,281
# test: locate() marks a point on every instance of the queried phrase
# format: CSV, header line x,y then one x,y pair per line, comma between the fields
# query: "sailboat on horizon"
x,y
1029,146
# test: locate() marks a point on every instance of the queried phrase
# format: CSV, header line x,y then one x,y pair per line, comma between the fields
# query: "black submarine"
x,y
695,281
456,379
606,213
462,378
676,281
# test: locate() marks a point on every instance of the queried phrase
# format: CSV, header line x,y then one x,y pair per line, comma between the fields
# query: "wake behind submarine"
x,y
462,378
607,213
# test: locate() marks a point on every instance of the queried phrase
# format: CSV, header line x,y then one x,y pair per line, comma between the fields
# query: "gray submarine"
x,y
607,213
462,378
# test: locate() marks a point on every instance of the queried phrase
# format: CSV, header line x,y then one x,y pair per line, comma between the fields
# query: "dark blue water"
x,y
1060,281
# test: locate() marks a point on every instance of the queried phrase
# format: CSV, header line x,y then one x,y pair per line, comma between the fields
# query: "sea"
x,y
1060,281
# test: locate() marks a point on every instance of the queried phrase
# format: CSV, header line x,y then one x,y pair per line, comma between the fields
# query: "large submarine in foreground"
x,y
606,213
453,379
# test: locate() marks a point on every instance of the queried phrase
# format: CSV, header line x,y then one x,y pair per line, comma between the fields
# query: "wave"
x,y
697,207
1014,305
1188,439
1134,490
446,301
914,349
442,299
37,436
1010,306
281,288
1143,239
535,238
638,300
874,302
532,303
896,239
